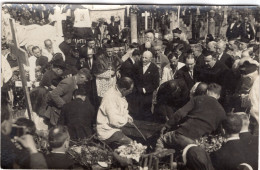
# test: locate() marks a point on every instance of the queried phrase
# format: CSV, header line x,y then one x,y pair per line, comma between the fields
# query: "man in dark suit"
x,y
67,47
113,30
232,153
146,82
233,30
223,57
201,115
214,71
196,49
63,93
247,29
78,115
93,31
59,140
187,72
87,61
128,67
249,141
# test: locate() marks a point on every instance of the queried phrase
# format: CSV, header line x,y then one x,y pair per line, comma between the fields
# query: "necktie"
x,y
89,63
191,74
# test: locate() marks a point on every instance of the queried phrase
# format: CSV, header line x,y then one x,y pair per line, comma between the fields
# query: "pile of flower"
x,y
89,155
131,151
211,143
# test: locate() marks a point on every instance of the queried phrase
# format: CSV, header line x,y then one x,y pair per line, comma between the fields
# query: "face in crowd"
x,y
174,61
147,57
190,63
48,44
212,46
91,44
196,50
116,50
149,37
122,50
210,61
220,48
37,52
109,52
58,71
82,79
158,50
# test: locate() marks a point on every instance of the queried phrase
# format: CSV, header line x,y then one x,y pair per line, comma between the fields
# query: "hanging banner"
x,y
118,13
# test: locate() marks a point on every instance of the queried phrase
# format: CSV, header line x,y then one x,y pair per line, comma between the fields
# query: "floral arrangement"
x,y
88,152
131,151
211,143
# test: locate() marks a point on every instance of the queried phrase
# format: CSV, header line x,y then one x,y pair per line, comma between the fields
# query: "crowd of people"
x,y
195,87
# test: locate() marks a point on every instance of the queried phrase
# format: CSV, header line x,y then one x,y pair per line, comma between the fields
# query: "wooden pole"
x,y
179,9
22,59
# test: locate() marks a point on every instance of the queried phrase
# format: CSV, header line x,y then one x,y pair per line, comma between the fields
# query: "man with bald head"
x,y
223,57
147,81
49,50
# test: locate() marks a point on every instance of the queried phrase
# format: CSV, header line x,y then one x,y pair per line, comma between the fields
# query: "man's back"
x,y
79,116
229,156
204,114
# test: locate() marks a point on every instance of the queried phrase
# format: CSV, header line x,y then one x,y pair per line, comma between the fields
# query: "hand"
x,y
27,142
163,130
130,120
118,75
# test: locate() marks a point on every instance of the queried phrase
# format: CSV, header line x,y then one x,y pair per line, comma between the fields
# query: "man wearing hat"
x,y
247,29
93,31
243,44
52,77
196,49
113,29
233,29
196,25
149,40
66,48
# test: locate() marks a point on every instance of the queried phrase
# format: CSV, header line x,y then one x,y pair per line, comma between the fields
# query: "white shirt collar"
x,y
244,131
145,67
132,60
220,55
233,138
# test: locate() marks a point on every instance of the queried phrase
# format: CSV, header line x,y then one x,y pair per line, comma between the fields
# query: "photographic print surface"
x,y
99,86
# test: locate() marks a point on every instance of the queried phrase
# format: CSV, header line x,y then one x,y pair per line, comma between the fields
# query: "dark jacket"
x,y
227,60
128,69
250,142
203,115
90,34
229,156
113,31
59,161
247,31
9,156
50,78
79,117
149,80
219,74
184,74
233,32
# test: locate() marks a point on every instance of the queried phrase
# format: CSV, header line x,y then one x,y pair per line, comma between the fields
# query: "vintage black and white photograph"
x,y
129,86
